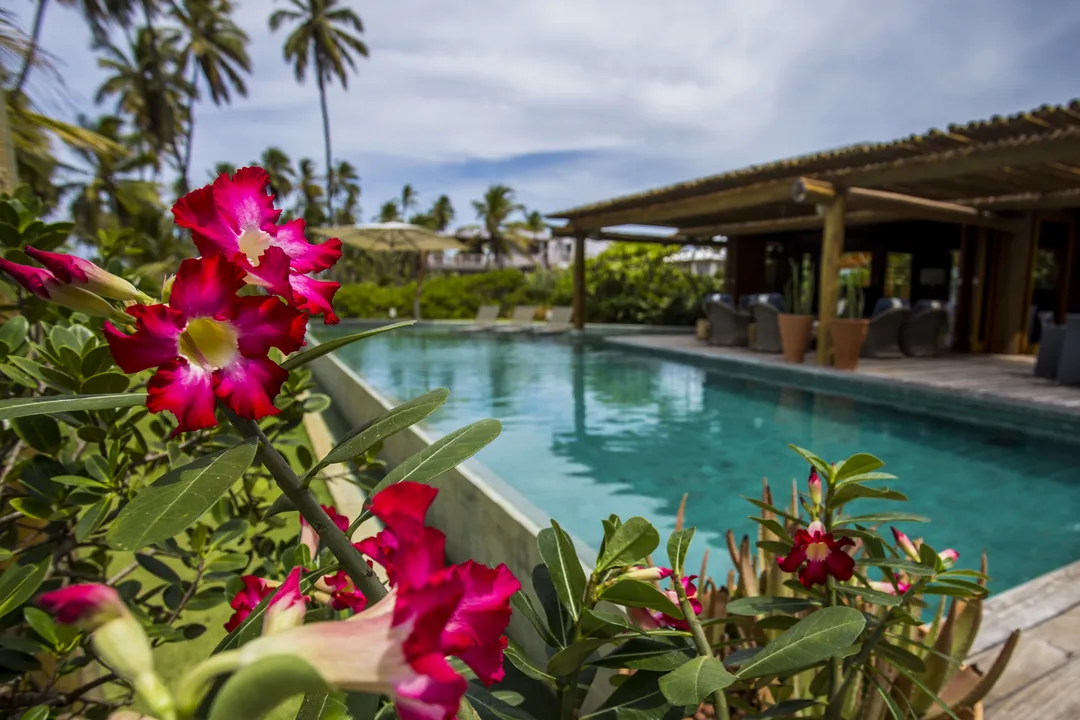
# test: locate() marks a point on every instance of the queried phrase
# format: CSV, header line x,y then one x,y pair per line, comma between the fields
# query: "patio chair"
x,y
923,334
1069,361
558,321
520,320
727,324
1051,338
765,311
485,319
883,335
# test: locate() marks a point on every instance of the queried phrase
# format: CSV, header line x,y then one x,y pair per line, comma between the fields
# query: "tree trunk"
x,y
186,170
35,37
326,136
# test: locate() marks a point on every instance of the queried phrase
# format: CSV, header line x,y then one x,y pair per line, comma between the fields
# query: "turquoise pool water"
x,y
590,429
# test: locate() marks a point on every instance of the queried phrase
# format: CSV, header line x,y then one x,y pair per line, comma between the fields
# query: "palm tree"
x,y
442,212
494,210
408,200
389,212
310,205
327,35
222,168
100,15
217,51
344,181
279,167
536,230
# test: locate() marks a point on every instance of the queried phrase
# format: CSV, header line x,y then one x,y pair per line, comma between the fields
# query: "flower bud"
x,y
649,574
815,488
44,285
72,270
949,557
286,609
906,545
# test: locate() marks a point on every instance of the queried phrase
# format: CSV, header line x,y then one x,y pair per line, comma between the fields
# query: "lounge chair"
x,y
520,320
883,335
558,321
1069,367
923,334
765,311
485,319
727,324
1051,339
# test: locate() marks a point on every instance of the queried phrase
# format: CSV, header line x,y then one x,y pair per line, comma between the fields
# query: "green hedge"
x,y
627,283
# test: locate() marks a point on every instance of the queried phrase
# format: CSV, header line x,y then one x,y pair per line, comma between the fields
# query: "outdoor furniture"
x,y
485,319
727,324
1069,361
883,335
923,334
765,312
558,321
520,320
1051,338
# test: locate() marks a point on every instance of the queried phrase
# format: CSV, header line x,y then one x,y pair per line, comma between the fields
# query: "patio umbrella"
x,y
395,237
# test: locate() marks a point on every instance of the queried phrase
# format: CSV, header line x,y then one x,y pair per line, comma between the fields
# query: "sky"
x,y
576,101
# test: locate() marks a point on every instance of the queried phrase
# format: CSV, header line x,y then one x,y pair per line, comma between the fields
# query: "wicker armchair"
x,y
923,335
765,311
727,324
883,334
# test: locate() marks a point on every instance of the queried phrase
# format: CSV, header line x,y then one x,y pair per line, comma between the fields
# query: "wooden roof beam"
x,y
812,190
789,224
666,212
570,231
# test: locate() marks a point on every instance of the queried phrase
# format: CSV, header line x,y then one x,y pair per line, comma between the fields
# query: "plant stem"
x,y
352,562
836,665
570,693
701,642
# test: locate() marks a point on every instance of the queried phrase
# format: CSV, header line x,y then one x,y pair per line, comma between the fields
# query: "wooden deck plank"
x,y
1055,696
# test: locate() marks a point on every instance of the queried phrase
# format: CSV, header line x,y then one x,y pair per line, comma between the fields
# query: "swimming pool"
x,y
591,428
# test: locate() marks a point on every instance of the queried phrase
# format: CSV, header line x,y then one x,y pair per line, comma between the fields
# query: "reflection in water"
x,y
591,429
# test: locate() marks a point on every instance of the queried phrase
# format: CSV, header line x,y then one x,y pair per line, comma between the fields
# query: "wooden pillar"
x,y
965,292
744,268
1010,293
832,247
579,282
9,172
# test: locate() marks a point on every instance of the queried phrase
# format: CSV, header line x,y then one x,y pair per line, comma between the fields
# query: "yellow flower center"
x,y
209,342
817,552
253,243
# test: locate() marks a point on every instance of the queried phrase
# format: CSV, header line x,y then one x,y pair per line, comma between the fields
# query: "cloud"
x,y
571,102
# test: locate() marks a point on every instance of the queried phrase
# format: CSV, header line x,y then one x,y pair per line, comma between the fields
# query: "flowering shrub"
x,y
99,487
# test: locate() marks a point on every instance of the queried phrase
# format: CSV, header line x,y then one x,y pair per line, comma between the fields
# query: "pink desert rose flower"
x,y
235,217
343,594
48,287
648,619
814,483
209,343
253,592
887,587
646,574
287,607
816,555
310,538
87,606
949,557
402,508
905,544
475,630
72,270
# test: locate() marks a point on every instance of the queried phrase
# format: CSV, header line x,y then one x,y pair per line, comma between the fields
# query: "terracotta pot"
x,y
795,336
848,336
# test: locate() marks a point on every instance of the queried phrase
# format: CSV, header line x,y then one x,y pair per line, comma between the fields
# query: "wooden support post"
x,y
832,247
9,172
579,282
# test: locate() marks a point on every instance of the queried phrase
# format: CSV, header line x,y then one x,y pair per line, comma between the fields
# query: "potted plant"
x,y
848,331
796,324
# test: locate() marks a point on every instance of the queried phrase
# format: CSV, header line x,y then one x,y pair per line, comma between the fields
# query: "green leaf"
x,y
444,454
571,657
322,706
522,604
19,583
489,706
911,568
178,498
867,477
899,656
817,637
32,507
522,663
557,551
857,464
13,331
786,708
38,712
853,491
638,698
97,361
106,382
884,517
361,439
771,508
79,481
157,568
677,546
255,690
645,654
49,404
305,356
634,593
695,680
820,465
40,432
870,595
92,517
775,528
631,541
42,624
767,604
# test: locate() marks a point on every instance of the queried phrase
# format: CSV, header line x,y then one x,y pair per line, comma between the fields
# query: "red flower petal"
x,y
272,272
249,385
244,199
475,630
305,257
813,574
314,297
184,390
33,279
434,695
66,268
266,322
154,342
206,287
197,212
405,501
840,565
348,600
793,560
89,603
